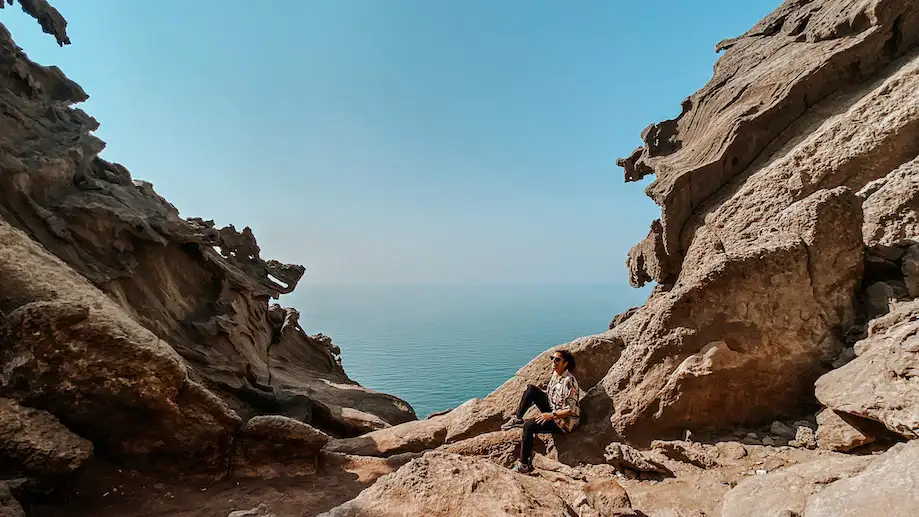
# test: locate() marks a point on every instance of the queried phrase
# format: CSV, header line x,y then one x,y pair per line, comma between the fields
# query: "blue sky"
x,y
397,141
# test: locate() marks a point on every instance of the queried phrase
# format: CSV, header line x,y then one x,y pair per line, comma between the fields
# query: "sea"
x,y
438,346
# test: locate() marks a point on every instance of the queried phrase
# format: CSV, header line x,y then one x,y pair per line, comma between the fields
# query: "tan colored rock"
x,y
501,447
448,485
889,486
687,452
35,443
606,497
760,221
740,322
416,436
789,488
838,432
272,446
622,456
799,55
879,384
892,206
115,381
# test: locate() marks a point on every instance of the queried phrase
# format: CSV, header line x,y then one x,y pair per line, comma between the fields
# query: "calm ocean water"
x,y
438,346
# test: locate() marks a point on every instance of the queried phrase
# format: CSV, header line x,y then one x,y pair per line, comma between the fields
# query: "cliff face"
x,y
760,254
114,308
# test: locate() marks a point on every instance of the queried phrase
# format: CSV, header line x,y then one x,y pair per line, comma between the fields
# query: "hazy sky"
x,y
397,141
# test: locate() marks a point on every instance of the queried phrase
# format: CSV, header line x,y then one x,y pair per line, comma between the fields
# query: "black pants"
x,y
534,396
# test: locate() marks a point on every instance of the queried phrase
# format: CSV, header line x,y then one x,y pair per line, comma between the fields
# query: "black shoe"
x,y
512,423
522,468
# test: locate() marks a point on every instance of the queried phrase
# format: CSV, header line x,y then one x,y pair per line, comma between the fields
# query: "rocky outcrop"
x,y
880,384
70,350
759,254
768,79
442,484
834,486
34,443
202,290
273,446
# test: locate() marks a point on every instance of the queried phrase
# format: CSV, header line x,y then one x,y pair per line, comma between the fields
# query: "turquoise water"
x,y
438,346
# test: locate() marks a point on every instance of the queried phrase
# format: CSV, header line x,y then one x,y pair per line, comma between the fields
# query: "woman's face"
x,y
558,363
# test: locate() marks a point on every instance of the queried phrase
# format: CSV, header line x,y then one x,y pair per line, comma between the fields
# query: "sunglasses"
x,y
556,359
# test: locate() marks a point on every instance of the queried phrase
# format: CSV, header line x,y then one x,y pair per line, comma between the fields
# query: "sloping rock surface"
x,y
200,289
881,384
447,485
836,486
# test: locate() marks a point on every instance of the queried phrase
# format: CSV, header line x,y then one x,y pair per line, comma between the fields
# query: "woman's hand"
x,y
544,417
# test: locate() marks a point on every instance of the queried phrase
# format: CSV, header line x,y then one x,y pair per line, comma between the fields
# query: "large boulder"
x,y
415,436
70,350
203,290
34,443
271,446
879,383
448,485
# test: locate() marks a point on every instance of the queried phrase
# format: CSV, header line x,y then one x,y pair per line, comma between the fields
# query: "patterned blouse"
x,y
563,391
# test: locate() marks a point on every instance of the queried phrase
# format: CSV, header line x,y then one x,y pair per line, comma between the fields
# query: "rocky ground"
x,y
771,372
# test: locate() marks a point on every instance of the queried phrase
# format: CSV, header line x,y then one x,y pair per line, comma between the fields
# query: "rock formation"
x,y
203,290
778,348
132,334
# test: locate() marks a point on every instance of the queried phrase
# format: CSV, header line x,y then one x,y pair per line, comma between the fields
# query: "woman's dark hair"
x,y
569,359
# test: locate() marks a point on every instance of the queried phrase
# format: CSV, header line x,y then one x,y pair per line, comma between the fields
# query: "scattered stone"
x,y
780,429
806,423
910,268
622,456
805,437
260,511
687,452
768,441
731,451
606,496
837,432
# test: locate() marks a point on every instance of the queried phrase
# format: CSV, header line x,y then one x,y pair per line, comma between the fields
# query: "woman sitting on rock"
x,y
559,406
